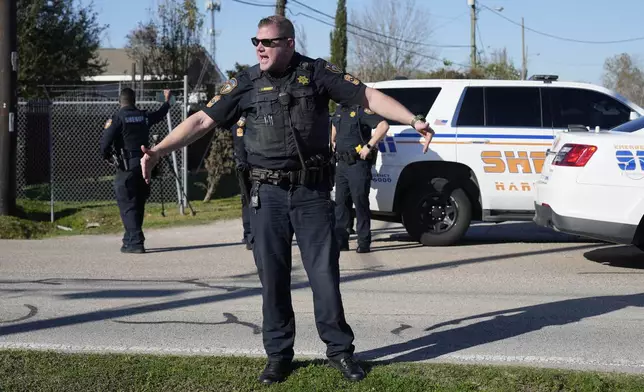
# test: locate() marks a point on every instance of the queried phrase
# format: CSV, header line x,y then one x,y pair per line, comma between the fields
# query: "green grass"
x,y
33,220
36,371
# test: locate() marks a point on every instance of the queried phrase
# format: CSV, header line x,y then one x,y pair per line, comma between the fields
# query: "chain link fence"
x,y
58,155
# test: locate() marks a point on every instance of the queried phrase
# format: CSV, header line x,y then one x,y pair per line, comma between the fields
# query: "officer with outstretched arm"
x,y
286,97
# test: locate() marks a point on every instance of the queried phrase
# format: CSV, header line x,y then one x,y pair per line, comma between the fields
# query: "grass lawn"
x,y
103,217
44,371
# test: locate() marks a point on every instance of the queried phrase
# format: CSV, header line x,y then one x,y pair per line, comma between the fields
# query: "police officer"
x,y
124,133
356,154
286,98
243,177
352,216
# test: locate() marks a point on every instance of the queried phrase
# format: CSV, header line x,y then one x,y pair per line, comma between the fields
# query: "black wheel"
x,y
438,214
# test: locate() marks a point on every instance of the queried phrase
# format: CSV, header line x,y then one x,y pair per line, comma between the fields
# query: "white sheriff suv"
x,y
592,184
488,151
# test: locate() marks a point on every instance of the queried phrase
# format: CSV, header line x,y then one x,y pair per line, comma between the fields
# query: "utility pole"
x,y
472,4
213,6
8,105
280,7
523,51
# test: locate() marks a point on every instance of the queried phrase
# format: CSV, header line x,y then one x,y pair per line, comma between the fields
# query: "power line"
x,y
255,4
374,32
562,38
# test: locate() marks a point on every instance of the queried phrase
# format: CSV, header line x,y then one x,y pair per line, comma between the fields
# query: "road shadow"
x,y
107,314
104,294
192,247
504,324
625,256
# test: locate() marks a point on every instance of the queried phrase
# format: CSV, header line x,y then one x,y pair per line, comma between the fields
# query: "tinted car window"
x,y
417,100
631,126
512,107
472,113
584,107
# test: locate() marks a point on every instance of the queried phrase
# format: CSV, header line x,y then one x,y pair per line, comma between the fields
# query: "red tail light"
x,y
574,155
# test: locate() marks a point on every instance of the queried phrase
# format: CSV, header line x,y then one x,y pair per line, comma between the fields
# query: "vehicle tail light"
x,y
574,155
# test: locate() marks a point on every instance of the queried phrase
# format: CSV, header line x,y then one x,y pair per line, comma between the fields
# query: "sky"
x,y
448,23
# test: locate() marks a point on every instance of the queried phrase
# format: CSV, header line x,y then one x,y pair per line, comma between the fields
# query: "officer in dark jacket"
x,y
243,177
286,99
356,154
122,139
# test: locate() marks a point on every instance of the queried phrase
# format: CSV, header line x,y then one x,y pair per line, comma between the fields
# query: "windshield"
x,y
631,126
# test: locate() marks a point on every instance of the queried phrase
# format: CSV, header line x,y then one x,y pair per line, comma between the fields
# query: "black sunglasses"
x,y
267,42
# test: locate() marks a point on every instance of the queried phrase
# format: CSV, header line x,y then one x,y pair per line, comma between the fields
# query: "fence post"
x,y
50,108
185,149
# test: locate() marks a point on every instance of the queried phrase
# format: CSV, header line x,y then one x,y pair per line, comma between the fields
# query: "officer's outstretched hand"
x,y
424,129
167,94
148,162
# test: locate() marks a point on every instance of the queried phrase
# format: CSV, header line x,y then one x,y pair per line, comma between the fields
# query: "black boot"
x,y
275,371
348,367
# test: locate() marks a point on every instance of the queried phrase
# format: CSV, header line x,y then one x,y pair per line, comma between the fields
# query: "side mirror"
x,y
160,98
634,115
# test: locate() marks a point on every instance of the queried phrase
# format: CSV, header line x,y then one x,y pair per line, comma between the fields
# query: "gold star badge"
x,y
352,114
303,80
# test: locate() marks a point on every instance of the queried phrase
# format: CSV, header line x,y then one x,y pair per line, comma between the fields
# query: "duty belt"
x,y
313,176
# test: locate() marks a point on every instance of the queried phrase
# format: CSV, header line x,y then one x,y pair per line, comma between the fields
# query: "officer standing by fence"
x,y
286,98
121,143
242,170
356,154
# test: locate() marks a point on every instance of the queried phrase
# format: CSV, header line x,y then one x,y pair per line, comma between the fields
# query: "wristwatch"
x,y
369,146
418,117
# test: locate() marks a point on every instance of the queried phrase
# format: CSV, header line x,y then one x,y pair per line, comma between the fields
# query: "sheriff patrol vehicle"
x,y
592,184
488,151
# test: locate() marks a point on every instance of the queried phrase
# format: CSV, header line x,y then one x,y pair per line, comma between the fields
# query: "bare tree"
x,y
300,38
623,74
389,40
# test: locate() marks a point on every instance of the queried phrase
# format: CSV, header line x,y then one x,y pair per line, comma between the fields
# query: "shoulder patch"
x,y
332,67
214,100
350,78
368,111
108,123
228,86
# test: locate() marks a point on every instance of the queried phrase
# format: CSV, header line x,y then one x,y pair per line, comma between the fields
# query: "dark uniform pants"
x,y
353,182
307,213
248,237
131,195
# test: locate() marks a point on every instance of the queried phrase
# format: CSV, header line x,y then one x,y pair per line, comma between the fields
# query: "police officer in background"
x,y
350,222
356,154
122,139
286,99
243,177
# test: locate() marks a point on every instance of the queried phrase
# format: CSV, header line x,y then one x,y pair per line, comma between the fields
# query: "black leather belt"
x,y
312,176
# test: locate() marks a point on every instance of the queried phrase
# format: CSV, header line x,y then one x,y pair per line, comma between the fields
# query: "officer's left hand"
x,y
424,129
166,94
364,153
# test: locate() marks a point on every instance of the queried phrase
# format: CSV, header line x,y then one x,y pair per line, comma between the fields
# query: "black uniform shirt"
x,y
234,97
346,121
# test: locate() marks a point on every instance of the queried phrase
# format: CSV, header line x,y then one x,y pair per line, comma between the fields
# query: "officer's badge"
x,y
228,86
108,123
303,80
368,111
214,100
241,122
352,114
332,67
240,132
352,79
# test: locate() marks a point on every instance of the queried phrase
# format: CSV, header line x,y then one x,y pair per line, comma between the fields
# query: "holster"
x,y
243,177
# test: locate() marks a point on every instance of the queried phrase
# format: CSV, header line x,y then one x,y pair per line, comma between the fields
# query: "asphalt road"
x,y
511,294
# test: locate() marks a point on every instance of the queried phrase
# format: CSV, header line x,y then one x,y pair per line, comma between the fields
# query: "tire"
x,y
451,209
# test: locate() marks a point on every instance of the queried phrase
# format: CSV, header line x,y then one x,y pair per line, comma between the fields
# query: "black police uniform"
x,y
128,130
349,204
243,177
353,127
287,200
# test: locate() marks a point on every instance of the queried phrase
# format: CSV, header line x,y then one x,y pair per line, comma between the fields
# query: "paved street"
x,y
511,294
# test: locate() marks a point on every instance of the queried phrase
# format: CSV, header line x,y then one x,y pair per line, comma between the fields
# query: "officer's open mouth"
x,y
263,58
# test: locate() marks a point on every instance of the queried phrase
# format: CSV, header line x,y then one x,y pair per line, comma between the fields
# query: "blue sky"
x,y
589,20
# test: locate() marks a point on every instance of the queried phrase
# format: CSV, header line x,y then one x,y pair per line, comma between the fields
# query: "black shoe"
x,y
275,371
249,246
132,249
351,231
348,367
363,249
344,246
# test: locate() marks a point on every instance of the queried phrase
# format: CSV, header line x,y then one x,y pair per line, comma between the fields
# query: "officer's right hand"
x,y
166,94
148,162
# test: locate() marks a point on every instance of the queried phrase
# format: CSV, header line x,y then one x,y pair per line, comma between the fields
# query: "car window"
x,y
631,126
584,107
512,107
417,100
472,112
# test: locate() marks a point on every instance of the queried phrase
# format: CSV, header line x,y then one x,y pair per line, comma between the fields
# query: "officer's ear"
x,y
290,43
